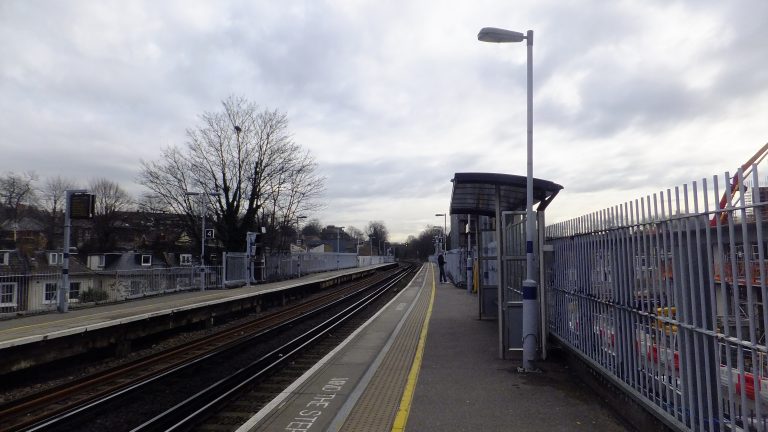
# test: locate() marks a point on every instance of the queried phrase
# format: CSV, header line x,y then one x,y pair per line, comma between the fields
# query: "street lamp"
x,y
445,227
298,238
202,236
497,35
338,247
298,228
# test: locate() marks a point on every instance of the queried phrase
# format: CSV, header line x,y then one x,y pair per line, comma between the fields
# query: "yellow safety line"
x,y
405,403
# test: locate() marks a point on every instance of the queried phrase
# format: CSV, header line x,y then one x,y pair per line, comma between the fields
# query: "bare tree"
x,y
420,247
52,199
355,233
247,158
110,197
292,191
54,193
111,201
312,228
16,192
377,232
151,204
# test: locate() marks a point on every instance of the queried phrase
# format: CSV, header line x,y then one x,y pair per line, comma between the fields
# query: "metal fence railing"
x,y
38,292
279,266
285,266
665,296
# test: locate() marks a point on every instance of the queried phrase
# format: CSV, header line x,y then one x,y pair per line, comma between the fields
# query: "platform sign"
x,y
82,206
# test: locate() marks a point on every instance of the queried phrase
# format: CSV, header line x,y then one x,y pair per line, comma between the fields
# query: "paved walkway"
x,y
464,386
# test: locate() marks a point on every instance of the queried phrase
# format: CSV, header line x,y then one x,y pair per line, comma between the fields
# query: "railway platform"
x,y
426,363
38,339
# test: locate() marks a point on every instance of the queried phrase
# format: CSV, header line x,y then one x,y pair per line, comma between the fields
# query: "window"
x,y
50,292
146,260
4,258
8,294
96,262
74,291
185,259
55,258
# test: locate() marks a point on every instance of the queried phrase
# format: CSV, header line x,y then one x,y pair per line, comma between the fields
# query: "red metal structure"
x,y
746,169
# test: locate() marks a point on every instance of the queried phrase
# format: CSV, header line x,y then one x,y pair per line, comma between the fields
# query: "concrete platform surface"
x,y
464,386
460,385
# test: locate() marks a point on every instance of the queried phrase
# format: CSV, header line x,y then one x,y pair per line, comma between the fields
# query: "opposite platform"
x,y
38,339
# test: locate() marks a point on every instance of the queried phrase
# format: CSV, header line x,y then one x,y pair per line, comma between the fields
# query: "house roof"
x,y
39,263
475,193
23,224
130,260
16,263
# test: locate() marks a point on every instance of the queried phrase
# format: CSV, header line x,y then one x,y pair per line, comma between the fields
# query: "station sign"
x,y
82,206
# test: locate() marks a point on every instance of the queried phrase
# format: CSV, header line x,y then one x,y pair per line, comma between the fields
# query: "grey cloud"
x,y
403,178
387,78
619,100
615,98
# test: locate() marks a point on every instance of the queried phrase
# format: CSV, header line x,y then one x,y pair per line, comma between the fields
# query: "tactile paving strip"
x,y
377,407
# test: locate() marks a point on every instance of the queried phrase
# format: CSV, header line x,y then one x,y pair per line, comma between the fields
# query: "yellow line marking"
x,y
413,376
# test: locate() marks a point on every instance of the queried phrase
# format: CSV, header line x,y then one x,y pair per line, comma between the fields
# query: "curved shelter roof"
x,y
475,193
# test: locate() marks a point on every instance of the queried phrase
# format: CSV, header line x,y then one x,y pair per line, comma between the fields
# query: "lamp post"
x,y
445,227
497,35
203,207
338,247
298,230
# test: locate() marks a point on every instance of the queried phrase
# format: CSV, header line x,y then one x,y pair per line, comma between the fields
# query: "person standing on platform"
x,y
441,263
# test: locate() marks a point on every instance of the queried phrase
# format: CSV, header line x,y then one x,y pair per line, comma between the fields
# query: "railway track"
x,y
57,407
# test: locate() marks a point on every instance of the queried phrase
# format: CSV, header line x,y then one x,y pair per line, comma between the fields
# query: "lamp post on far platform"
x,y
203,206
445,228
338,245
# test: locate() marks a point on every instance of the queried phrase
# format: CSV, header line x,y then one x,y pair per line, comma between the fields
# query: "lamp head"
x,y
493,34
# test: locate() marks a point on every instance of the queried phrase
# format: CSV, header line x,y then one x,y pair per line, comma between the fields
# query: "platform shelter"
x,y
497,249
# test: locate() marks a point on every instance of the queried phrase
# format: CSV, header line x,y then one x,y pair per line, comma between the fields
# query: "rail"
x,y
61,404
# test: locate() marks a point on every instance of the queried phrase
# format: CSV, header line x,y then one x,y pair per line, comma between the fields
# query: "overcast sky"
x,y
394,97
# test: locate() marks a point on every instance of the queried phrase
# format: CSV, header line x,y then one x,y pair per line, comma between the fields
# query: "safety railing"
x,y
38,292
28,293
280,266
665,296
